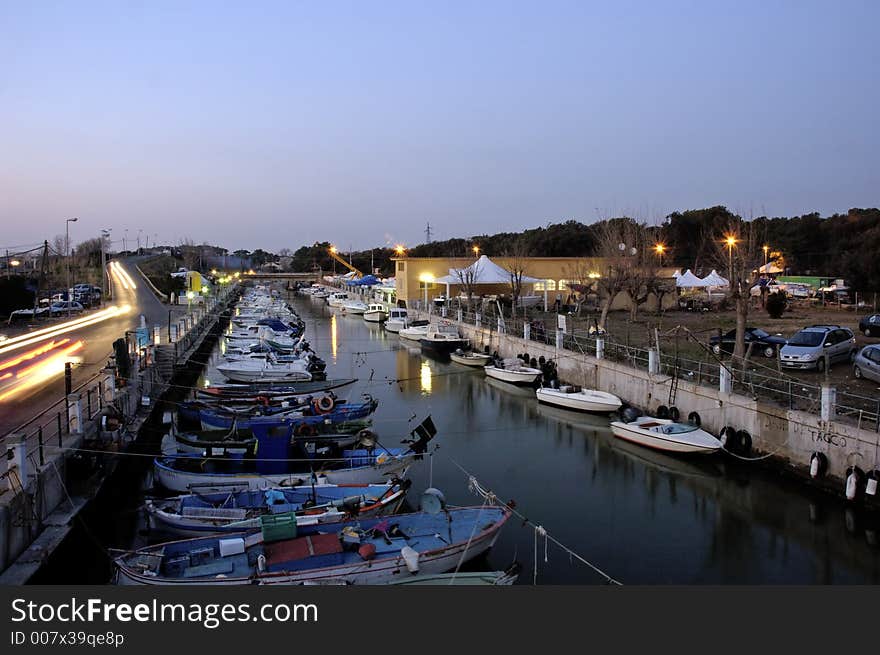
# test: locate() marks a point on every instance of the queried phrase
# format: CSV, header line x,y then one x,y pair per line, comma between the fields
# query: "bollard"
x,y
560,335
829,399
600,348
74,402
653,362
18,446
527,331
725,381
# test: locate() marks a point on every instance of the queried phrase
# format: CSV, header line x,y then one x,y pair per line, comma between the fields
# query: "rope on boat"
x,y
490,497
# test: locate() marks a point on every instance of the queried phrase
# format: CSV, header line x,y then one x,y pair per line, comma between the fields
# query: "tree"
x,y
776,304
611,244
468,277
641,274
517,265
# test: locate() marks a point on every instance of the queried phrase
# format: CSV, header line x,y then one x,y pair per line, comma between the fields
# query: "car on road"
x,y
816,346
867,364
59,308
870,325
765,343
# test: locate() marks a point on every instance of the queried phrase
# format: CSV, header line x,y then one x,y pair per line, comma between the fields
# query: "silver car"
x,y
809,348
867,364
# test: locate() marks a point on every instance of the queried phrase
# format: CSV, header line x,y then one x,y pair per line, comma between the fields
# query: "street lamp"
x,y
67,242
399,250
765,248
426,279
660,248
105,234
730,241
476,250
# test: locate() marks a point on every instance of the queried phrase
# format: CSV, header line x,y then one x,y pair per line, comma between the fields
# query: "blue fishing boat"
x,y
314,414
366,551
230,511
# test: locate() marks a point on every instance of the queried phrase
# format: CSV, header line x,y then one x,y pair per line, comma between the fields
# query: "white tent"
x,y
770,267
715,280
689,281
677,274
482,271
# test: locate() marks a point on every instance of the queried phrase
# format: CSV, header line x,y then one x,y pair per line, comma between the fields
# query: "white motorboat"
x,y
375,313
584,400
397,320
443,341
264,370
470,358
416,330
512,371
354,307
337,299
667,435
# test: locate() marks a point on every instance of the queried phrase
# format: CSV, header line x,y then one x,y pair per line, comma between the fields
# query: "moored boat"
x,y
415,331
397,320
375,313
469,358
512,371
442,342
667,435
584,400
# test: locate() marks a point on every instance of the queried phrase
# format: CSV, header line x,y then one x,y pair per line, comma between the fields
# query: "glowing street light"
x,y
426,279
476,250
399,250
730,241
765,248
660,248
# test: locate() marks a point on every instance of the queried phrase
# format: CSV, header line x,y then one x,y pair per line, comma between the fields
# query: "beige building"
x,y
416,277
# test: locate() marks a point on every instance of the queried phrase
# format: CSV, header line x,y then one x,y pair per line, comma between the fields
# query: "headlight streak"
x,y
62,328
36,374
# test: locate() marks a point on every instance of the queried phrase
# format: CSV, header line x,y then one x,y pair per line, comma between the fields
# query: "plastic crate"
x,y
277,527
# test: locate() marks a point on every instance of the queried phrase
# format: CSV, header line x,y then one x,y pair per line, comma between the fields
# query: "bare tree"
x,y
639,282
517,267
611,238
468,277
738,250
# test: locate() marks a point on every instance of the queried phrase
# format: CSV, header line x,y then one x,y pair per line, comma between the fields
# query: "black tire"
x,y
868,332
662,412
728,438
743,443
857,373
769,352
694,419
820,365
674,414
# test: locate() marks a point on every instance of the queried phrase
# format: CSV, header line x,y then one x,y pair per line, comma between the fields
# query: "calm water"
x,y
643,517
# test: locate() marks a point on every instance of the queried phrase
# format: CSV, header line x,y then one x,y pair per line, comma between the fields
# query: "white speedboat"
x,y
397,320
337,299
354,307
442,341
375,313
667,435
512,371
470,359
416,330
584,400
264,370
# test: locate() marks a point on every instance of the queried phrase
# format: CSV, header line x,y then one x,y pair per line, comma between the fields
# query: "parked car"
x,y
867,364
765,343
58,308
870,325
808,348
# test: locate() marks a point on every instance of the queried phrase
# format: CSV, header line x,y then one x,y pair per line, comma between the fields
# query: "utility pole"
x,y
105,287
43,267
428,233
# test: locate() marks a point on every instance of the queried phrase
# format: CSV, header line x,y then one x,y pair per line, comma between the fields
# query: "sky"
x,y
278,124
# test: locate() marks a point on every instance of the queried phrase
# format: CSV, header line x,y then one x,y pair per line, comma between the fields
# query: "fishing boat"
x,y
512,371
666,435
415,331
264,394
463,578
469,358
288,463
337,299
397,320
329,413
584,400
269,370
236,511
368,551
442,341
375,313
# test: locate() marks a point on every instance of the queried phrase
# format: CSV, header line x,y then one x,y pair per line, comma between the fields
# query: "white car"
x,y
57,308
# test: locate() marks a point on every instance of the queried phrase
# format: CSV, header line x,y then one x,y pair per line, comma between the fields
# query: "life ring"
x,y
743,443
818,464
305,430
324,405
728,438
663,412
674,414
694,419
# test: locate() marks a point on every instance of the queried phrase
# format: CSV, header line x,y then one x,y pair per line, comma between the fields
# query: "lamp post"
x,y
730,241
476,250
105,234
67,243
765,249
660,248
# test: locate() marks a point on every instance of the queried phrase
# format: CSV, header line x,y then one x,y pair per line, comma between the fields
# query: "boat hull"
x,y
601,404
475,361
512,376
374,317
657,441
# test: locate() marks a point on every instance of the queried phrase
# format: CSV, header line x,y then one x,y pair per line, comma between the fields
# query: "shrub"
x,y
776,303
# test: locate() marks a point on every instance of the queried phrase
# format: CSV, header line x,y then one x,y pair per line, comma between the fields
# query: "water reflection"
x,y
333,343
425,376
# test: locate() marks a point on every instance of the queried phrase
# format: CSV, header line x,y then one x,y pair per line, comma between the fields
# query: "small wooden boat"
x,y
469,358
236,511
584,400
666,435
368,551
397,320
375,313
512,371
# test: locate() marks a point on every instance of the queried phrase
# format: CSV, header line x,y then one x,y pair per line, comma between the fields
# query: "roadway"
x,y
130,296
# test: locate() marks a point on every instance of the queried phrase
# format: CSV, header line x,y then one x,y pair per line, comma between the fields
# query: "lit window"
x,y
401,266
563,285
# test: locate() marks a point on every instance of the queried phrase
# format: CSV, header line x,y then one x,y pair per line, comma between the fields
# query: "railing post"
x,y
18,445
527,331
653,362
111,385
89,403
74,402
60,433
100,394
829,399
560,336
724,380
40,444
459,314
600,348
478,319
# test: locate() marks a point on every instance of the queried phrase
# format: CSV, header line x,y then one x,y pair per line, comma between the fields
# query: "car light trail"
x,y
37,374
36,352
122,275
37,336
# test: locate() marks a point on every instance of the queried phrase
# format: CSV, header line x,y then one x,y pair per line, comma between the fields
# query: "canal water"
x,y
640,516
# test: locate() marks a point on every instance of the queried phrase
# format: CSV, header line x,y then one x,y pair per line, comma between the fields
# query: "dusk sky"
x,y
276,124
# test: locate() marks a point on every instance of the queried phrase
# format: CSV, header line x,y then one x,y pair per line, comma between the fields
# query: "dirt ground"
x,y
673,327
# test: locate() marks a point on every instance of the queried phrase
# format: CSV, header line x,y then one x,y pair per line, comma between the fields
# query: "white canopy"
x,y
770,267
715,280
482,271
689,281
